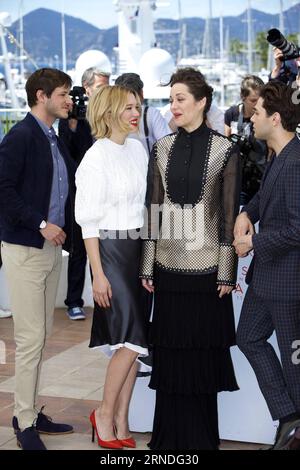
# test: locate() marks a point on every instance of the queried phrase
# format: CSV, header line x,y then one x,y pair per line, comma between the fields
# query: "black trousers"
x,y
279,380
76,270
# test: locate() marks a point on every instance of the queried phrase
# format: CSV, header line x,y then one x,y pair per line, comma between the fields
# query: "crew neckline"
x,y
106,139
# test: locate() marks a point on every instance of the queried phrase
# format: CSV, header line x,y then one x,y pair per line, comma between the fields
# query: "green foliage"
x,y
236,49
293,38
262,47
7,122
236,46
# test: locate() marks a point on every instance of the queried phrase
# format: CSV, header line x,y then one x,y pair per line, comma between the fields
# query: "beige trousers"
x,y
32,275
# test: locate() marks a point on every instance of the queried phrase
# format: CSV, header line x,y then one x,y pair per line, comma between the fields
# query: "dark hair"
x,y
196,83
250,83
45,79
278,98
132,81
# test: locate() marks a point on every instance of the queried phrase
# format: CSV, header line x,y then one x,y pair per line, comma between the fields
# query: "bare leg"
x,y
116,375
122,406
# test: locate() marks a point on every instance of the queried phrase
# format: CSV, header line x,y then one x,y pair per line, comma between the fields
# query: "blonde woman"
x,y
111,188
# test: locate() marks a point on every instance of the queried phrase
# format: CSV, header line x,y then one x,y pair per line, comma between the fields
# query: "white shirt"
x,y
215,117
111,187
157,126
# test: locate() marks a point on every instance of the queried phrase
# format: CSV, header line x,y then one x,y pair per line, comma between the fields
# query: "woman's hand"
x,y
148,284
102,292
224,290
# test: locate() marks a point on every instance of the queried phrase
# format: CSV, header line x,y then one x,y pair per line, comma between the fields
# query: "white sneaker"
x,y
5,313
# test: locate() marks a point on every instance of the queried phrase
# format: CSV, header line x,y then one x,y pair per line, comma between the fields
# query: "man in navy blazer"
x,y
36,211
272,301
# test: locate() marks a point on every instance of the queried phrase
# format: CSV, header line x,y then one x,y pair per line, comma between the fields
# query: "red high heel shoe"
x,y
128,442
114,444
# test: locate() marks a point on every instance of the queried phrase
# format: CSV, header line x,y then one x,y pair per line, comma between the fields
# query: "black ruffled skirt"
x,y
191,334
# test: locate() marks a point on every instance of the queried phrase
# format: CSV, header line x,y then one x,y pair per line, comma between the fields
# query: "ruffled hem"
x,y
109,350
192,320
192,371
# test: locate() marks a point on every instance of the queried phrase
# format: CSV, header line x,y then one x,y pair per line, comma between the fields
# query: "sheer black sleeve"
x,y
154,200
231,186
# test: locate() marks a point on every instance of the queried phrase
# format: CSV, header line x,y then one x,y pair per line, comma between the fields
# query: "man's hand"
x,y
243,245
243,225
54,234
278,54
73,124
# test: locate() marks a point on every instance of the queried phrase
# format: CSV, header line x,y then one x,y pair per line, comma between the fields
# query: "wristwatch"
x,y
43,224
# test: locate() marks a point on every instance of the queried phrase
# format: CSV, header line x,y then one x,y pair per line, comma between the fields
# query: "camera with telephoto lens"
x,y
253,153
79,99
289,49
244,144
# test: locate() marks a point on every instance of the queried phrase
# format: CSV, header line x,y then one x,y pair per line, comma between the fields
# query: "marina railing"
x,y
9,117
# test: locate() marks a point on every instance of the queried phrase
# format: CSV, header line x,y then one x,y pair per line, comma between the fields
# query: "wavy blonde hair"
x,y
105,108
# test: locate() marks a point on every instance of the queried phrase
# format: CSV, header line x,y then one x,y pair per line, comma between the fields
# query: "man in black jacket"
x,y
36,210
77,136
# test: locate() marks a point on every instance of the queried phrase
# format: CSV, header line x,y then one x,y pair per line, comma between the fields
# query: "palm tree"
x,y
236,48
262,48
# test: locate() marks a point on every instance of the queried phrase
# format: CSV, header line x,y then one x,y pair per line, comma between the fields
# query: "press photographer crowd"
x,y
93,189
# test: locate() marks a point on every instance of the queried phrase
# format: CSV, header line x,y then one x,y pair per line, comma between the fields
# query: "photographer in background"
x,y
152,126
239,128
284,70
286,56
76,134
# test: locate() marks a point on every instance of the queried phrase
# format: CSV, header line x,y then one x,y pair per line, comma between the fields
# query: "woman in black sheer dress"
x,y
189,261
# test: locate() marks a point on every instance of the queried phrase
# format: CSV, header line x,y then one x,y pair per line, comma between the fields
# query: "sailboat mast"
x,y
5,21
21,40
63,39
249,22
182,32
183,48
207,39
281,17
222,55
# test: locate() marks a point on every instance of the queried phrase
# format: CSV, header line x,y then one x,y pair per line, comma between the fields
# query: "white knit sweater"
x,y
111,187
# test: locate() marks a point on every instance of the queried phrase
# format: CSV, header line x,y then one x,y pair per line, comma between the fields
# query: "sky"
x,y
101,13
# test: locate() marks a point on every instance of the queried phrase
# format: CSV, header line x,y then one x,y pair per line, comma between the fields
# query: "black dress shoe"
x,y
29,439
286,434
15,425
45,425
